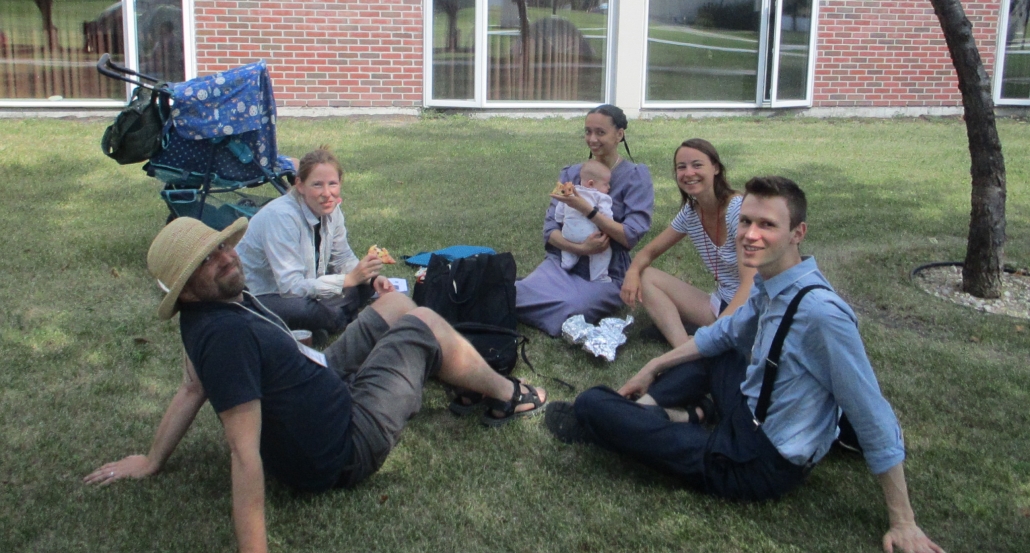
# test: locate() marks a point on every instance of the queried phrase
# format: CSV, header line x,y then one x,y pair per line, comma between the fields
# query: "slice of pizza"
x,y
563,189
382,253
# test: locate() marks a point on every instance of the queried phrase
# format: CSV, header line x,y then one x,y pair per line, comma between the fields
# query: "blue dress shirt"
x,y
823,368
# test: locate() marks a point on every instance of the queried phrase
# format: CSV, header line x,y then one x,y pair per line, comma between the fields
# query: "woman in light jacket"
x,y
296,257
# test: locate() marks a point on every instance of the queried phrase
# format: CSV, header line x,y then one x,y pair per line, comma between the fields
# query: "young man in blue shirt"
x,y
661,416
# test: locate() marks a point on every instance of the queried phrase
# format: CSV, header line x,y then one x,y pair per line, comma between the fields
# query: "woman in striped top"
x,y
708,215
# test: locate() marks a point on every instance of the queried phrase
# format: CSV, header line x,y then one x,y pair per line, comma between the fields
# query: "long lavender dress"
x,y
550,295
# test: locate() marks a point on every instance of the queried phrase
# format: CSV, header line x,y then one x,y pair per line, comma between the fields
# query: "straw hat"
x,y
179,249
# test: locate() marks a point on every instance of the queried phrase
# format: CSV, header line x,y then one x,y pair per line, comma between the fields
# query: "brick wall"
x,y
350,53
884,53
335,53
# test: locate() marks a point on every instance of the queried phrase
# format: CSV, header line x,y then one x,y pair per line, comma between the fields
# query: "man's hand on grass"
x,y
133,466
910,539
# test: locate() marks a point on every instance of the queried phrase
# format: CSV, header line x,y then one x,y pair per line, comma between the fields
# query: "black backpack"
x,y
477,296
137,133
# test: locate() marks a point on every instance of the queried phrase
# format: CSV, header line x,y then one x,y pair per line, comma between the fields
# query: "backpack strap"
x,y
772,360
520,339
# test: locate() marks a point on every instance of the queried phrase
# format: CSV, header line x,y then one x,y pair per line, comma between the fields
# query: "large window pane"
x,y
1015,83
51,50
454,40
543,50
159,36
795,35
703,50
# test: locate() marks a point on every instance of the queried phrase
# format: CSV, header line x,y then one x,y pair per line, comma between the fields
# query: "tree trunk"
x,y
1019,10
981,273
47,12
450,7
524,34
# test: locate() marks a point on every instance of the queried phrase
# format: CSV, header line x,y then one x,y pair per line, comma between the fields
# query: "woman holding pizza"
x,y
549,295
296,257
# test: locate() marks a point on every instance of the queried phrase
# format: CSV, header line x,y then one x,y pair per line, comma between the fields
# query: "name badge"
x,y
313,354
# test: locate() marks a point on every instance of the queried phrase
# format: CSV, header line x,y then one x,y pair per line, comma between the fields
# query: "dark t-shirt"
x,y
305,408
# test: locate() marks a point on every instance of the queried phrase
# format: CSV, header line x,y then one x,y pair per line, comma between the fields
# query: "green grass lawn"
x,y
88,368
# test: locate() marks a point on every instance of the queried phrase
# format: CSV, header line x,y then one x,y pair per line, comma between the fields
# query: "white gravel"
x,y
946,282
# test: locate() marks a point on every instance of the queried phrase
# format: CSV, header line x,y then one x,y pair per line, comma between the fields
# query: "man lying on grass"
x,y
764,426
315,421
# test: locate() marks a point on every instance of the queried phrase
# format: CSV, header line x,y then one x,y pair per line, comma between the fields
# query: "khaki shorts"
x,y
385,368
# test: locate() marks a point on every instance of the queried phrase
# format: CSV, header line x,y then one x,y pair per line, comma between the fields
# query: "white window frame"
x,y
481,69
131,61
189,46
761,68
999,61
806,102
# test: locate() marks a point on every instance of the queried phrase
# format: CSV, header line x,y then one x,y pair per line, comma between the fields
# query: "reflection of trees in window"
x,y
735,16
103,35
703,50
48,49
1016,71
549,60
453,52
797,15
709,50
160,40
49,30
792,70
1019,11
553,50
451,8
535,49
575,5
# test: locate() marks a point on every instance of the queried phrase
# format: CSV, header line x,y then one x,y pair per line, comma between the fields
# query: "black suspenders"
x,y
773,359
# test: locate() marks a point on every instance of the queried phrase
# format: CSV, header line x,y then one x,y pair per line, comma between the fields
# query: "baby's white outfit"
x,y
577,228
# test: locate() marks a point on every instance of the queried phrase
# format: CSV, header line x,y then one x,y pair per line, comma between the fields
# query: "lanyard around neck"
x,y
278,322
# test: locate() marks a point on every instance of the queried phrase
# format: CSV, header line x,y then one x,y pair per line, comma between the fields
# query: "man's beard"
x,y
231,287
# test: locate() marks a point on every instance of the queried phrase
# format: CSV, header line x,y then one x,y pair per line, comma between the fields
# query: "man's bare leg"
x,y
392,306
462,366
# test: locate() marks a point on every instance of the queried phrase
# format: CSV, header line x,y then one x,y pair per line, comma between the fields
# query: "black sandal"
x,y
709,414
507,408
464,402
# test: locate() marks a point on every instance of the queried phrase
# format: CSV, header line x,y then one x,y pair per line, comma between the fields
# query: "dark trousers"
x,y
735,460
331,315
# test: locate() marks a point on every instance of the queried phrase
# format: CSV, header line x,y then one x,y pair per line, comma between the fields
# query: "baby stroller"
x,y
219,139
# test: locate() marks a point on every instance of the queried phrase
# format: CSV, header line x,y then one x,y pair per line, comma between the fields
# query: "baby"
x,y
576,227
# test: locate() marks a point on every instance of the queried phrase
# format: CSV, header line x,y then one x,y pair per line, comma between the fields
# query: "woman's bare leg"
x,y
670,301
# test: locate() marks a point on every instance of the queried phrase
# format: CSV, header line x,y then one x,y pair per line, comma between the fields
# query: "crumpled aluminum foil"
x,y
601,340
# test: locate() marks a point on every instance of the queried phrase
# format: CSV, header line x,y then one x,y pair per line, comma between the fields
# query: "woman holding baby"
x,y
550,294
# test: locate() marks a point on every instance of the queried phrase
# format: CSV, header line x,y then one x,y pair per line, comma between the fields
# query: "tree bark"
x,y
982,270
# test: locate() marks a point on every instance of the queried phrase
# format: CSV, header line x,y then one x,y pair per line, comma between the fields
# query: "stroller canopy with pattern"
x,y
219,139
